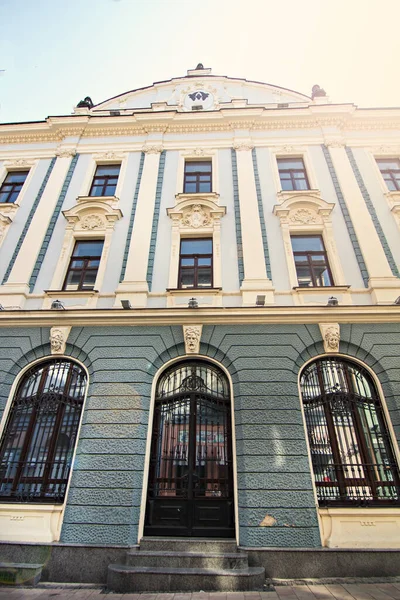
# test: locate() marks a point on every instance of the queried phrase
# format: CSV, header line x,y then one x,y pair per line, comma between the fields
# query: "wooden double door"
x,y
190,488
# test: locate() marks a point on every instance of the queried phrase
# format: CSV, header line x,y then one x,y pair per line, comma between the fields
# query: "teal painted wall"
x,y
272,463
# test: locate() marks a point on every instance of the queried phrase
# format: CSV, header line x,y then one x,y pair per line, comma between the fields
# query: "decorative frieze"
x,y
192,337
65,152
152,149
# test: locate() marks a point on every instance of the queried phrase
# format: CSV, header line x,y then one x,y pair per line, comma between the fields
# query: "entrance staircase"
x,y
185,564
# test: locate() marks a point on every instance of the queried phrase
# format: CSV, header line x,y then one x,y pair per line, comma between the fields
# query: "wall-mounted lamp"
x,y
1,307
397,301
193,303
260,301
126,304
57,305
333,301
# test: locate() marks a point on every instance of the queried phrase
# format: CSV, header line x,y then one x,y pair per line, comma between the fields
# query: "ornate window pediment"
x,y
92,215
196,214
304,211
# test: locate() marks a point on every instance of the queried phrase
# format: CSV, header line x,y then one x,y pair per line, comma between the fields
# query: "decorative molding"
x,y
331,336
199,213
192,337
17,163
58,339
383,149
152,149
5,222
92,222
109,155
304,216
65,152
243,146
93,213
196,216
303,210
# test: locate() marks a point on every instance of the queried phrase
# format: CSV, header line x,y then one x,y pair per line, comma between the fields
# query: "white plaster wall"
x,y
371,177
163,245
54,249
230,273
344,246
21,215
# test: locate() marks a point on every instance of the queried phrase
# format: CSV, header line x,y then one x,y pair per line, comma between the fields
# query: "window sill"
x,y
323,288
283,195
212,196
9,208
110,200
54,293
191,291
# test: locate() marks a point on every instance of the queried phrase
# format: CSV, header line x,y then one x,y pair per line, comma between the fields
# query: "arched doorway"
x,y
190,488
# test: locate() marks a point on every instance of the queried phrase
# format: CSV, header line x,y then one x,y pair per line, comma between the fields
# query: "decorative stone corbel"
x,y
65,152
58,339
152,149
243,146
331,336
192,337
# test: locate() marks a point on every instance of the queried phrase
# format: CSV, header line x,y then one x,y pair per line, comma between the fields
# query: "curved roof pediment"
x,y
200,90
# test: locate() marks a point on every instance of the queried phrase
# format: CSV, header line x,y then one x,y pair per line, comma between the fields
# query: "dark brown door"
x,y
190,490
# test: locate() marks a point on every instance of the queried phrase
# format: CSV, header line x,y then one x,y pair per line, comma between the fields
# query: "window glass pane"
x,y
108,170
97,190
321,275
204,262
77,264
204,277
73,279
205,187
3,196
197,167
389,164
187,278
190,188
109,190
301,184
189,246
88,248
187,262
300,243
284,175
287,184
290,163
89,280
16,177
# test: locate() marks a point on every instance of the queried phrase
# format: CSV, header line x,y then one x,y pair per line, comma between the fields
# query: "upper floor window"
x,y
197,177
292,173
390,169
41,433
311,261
83,266
105,180
196,263
12,186
352,453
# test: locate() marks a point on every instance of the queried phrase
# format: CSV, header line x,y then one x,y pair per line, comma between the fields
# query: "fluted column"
x,y
255,280
134,287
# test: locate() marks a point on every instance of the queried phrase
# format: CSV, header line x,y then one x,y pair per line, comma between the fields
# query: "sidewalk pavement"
x,y
344,591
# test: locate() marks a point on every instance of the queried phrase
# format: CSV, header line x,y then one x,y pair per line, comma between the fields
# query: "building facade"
x,y
200,326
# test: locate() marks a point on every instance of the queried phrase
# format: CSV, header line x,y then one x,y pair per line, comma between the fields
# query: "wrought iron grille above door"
x,y
190,489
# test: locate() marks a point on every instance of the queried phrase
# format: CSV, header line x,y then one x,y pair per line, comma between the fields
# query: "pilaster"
x,y
383,285
134,286
255,279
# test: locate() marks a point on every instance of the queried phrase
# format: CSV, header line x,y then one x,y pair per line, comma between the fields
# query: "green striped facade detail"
x,y
261,214
346,215
372,212
238,225
132,218
52,224
29,219
156,217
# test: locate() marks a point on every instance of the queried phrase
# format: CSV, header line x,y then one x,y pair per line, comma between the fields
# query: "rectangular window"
x,y
292,173
12,186
83,266
105,180
390,169
311,261
197,177
196,263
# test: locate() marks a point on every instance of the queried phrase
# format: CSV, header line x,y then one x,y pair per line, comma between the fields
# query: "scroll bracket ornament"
x,y
331,336
58,339
192,337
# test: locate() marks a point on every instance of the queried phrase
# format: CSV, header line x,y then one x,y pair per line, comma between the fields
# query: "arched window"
x,y
352,453
40,433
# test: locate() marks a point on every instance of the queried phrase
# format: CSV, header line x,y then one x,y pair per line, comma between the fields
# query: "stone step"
x,y
13,573
187,560
200,545
125,579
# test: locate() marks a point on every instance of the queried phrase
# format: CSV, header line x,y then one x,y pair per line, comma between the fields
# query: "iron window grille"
x,y
198,177
41,433
310,258
390,170
12,185
105,180
293,174
196,263
84,265
352,454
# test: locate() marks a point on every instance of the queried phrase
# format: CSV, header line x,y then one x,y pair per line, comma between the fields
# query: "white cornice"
x,y
203,316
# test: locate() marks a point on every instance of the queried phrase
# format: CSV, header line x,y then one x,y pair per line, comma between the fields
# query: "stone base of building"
x,y
76,563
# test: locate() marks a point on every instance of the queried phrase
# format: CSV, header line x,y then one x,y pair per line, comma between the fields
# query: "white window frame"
x,y
106,158
197,155
294,152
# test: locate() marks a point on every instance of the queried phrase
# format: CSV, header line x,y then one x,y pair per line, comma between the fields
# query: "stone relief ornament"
x,y
92,222
192,336
331,336
58,339
65,152
303,216
242,146
196,217
152,149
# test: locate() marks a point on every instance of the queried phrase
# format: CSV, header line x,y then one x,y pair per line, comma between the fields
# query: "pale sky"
x,y
55,52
